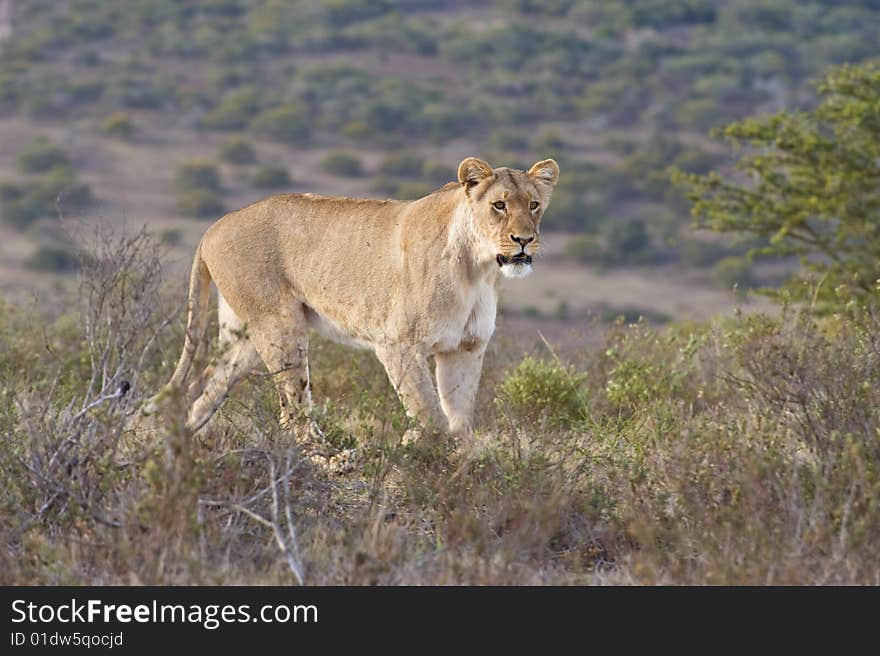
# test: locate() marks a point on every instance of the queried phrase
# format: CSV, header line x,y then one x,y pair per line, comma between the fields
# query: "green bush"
x,y
701,252
384,186
118,125
141,91
584,248
41,155
237,151
627,242
52,259
505,139
22,211
342,164
234,111
271,176
56,190
403,164
200,203
198,174
59,185
9,190
548,143
543,391
290,123
358,130
171,236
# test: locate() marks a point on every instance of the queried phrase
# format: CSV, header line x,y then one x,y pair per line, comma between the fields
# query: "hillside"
x,y
384,99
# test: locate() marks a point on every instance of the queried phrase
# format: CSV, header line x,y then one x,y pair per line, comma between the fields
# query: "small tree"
x,y
198,174
41,155
290,123
237,151
813,189
271,176
343,164
118,125
200,204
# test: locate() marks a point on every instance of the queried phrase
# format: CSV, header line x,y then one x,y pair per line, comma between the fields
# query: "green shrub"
x,y
118,125
22,211
403,164
56,190
627,242
356,130
41,155
543,390
584,248
234,111
237,151
9,190
342,164
271,176
171,236
504,139
290,123
384,186
59,185
141,91
52,259
548,143
198,174
701,252
200,203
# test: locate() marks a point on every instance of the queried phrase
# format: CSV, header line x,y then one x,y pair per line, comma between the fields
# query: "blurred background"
x,y
168,113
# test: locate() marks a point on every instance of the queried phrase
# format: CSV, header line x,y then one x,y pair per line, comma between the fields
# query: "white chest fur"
x,y
474,325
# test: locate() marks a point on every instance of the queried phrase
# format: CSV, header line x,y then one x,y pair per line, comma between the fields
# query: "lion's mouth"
x,y
520,258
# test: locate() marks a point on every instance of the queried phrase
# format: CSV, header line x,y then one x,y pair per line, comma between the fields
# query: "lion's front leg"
x,y
458,377
410,375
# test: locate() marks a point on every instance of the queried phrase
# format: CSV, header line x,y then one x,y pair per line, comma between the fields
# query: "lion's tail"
x,y
196,324
197,319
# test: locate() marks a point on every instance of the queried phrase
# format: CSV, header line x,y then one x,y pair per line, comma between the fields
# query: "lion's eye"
x,y
534,205
499,205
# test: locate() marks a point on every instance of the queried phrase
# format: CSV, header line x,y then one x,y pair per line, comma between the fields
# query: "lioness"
x,y
406,279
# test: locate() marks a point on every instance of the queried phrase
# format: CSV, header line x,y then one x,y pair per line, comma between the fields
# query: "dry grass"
x,y
745,451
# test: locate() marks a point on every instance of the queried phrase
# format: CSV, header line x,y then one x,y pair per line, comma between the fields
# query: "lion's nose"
x,y
522,241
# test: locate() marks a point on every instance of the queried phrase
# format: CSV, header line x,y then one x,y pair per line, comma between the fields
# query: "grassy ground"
x,y
739,451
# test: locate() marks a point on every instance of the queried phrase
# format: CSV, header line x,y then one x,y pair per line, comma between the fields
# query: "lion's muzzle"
x,y
519,258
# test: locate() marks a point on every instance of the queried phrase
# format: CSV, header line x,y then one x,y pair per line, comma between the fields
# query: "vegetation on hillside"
x,y
515,79
739,452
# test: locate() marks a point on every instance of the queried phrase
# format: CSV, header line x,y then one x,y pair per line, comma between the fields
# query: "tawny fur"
x,y
406,279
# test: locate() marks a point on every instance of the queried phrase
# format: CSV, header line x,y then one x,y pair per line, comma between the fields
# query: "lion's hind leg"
x,y
236,360
236,355
282,340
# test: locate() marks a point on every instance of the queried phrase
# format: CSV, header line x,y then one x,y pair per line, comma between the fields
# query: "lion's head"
x,y
507,205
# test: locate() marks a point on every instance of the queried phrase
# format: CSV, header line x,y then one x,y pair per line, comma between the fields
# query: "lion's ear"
x,y
473,170
546,171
